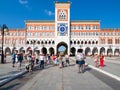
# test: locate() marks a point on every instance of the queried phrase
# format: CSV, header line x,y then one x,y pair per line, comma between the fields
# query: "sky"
x,y
13,13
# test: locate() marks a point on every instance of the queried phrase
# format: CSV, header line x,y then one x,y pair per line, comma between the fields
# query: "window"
x,y
93,33
72,33
36,28
79,33
30,28
88,27
96,34
101,34
87,33
36,34
80,27
119,33
73,27
109,41
44,28
31,34
51,27
82,33
95,27
117,41
111,33
104,33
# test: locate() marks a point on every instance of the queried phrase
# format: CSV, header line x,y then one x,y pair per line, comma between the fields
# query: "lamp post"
x,y
3,30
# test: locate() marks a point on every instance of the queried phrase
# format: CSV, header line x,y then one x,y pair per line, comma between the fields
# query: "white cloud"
x,y
49,13
23,1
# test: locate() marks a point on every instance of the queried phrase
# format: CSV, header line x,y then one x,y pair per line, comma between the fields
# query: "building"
x,y
49,35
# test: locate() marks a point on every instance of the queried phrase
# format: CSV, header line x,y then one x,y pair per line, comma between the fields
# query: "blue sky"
x,y
14,12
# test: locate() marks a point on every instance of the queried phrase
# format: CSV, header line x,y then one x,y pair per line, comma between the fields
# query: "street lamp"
x,y
4,29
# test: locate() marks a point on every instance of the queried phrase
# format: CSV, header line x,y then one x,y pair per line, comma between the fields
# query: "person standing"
x,y
33,60
41,58
102,60
60,59
37,57
96,61
53,57
13,58
80,58
20,58
67,59
29,58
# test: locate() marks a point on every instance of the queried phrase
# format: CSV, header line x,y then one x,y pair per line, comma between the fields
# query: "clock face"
x,y
62,29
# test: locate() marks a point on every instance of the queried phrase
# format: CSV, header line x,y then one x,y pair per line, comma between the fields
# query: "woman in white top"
x,y
41,59
80,60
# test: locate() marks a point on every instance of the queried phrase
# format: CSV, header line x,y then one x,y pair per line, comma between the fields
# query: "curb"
x,y
3,82
106,73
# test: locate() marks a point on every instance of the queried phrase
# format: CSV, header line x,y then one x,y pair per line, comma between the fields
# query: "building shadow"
x,y
9,87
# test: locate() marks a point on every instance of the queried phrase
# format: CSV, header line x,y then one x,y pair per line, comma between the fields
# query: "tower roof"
x,y
56,2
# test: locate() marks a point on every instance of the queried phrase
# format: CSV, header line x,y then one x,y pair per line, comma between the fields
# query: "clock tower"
x,y
62,25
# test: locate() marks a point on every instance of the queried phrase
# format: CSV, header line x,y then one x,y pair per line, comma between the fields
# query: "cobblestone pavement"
x,y
67,78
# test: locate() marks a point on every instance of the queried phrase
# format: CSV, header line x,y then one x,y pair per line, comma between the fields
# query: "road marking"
x,y
106,73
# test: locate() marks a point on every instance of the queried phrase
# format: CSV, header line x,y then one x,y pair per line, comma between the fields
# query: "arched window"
x,y
85,42
81,42
49,42
38,42
74,42
53,42
45,42
89,42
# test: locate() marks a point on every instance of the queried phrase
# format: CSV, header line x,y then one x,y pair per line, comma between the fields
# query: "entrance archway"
x,y
44,50
51,51
7,51
94,51
102,50
116,52
87,51
62,47
109,52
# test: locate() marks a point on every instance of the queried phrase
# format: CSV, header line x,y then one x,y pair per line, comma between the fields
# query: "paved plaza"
x,y
67,78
